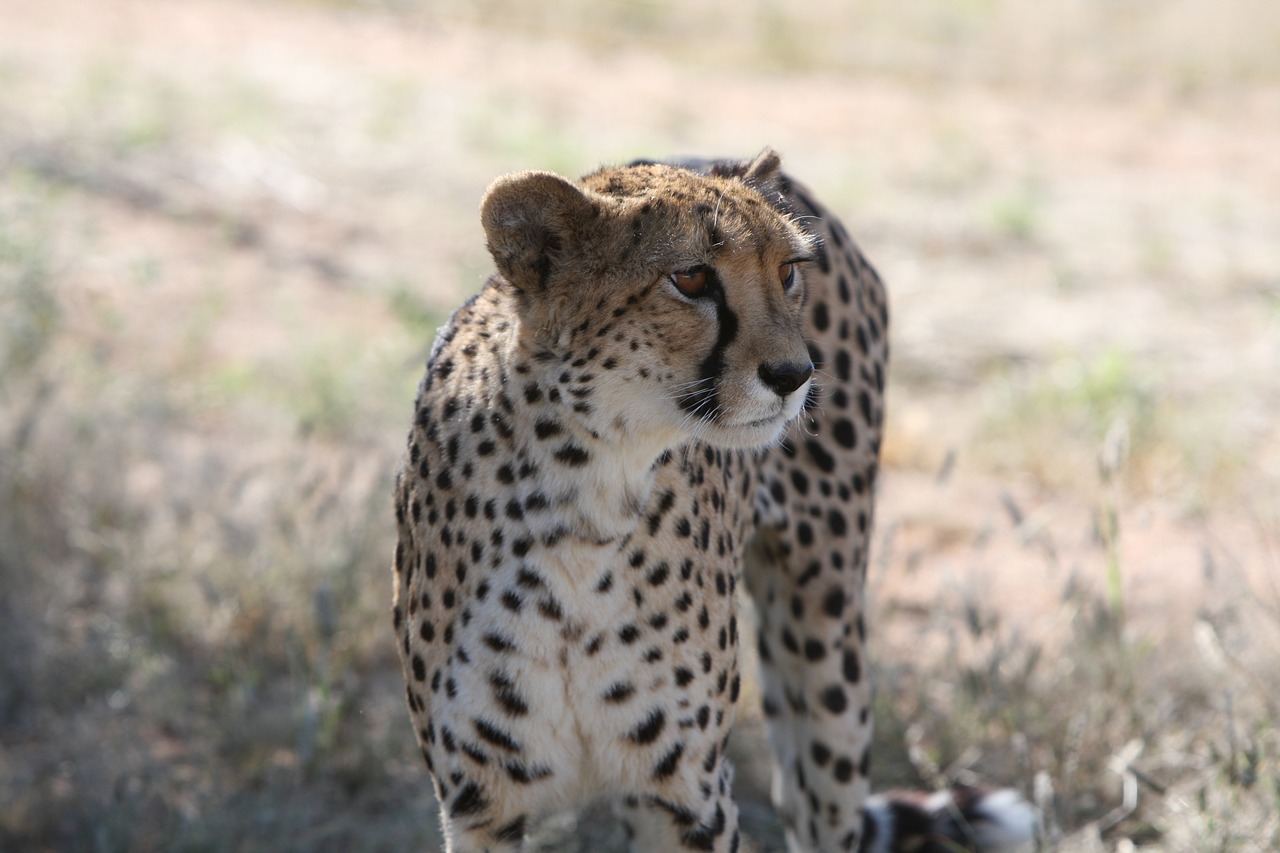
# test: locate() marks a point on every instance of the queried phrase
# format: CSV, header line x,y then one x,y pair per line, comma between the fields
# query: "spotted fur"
x,y
623,425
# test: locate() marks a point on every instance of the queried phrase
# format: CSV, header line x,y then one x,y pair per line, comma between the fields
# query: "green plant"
x,y
1019,214
30,313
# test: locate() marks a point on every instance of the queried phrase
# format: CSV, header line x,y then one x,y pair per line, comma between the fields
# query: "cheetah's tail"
x,y
963,818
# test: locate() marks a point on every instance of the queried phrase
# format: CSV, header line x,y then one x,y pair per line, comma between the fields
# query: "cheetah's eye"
x,y
691,282
787,274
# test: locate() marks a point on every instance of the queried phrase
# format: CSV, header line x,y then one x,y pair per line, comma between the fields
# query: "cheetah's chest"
x,y
587,660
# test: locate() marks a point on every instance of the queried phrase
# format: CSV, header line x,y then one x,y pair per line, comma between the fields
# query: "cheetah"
x,y
672,385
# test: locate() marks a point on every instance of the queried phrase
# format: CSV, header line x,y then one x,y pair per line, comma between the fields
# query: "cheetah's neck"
x,y
597,469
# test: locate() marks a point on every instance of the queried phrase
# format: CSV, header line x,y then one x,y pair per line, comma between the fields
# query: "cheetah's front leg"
x,y
816,696
463,840
657,825
817,700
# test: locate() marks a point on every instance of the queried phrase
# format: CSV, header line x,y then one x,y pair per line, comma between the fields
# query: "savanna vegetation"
x,y
228,231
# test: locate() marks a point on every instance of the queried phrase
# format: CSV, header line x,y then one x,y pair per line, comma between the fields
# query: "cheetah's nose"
x,y
783,378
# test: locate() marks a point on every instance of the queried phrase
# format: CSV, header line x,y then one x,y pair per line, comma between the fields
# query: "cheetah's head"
x,y
679,294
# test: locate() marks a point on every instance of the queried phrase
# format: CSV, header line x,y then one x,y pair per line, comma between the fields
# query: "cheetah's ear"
x,y
763,174
530,220
764,169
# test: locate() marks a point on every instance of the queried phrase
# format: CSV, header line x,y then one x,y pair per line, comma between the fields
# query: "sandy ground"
x,y
238,183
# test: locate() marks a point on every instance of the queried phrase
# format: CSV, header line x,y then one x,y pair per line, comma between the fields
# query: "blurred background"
x,y
229,229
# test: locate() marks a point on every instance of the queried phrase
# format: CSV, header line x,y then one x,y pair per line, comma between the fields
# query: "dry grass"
x,y
228,231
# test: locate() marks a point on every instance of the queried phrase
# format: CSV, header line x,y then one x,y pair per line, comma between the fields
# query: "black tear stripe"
x,y
704,401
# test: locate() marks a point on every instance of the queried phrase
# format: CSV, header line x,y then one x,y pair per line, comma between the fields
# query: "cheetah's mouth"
x,y
775,420
750,434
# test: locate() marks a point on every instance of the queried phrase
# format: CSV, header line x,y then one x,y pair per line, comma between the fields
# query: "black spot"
x,y
473,752
844,365
523,774
506,695
844,433
836,522
494,735
704,837
821,319
824,460
497,642
664,505
814,650
833,698
620,691
852,668
572,455
833,602
842,770
864,406
545,429
820,753
683,676
804,533
666,765
511,832
861,335
550,609
628,634
650,728
469,800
